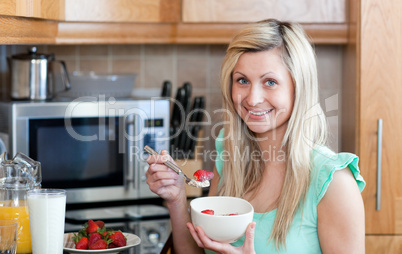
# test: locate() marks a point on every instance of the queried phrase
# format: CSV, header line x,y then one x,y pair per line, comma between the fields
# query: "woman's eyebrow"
x,y
238,72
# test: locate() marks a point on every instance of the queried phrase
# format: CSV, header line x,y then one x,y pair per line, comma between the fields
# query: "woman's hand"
x,y
205,242
162,180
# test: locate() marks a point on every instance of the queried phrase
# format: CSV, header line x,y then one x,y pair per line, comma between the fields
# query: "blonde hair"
x,y
306,126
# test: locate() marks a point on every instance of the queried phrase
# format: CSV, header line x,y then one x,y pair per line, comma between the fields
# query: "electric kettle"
x,y
32,76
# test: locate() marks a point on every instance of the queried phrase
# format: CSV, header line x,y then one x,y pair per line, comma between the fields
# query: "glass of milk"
x,y
47,208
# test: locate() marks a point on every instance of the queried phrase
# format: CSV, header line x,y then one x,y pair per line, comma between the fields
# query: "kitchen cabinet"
x,y
372,90
160,21
150,11
237,11
42,9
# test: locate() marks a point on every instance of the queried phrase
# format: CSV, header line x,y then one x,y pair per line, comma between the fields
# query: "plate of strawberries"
x,y
94,237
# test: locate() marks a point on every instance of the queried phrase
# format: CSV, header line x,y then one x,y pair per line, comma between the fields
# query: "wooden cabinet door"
x,y
42,9
379,68
151,11
383,244
234,11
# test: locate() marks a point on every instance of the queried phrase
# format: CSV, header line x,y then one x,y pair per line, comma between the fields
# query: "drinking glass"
x,y
8,236
47,208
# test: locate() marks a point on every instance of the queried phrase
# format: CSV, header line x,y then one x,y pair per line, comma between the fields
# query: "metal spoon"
x,y
176,169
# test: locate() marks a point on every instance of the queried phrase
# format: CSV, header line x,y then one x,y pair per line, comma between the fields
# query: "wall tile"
x,y
216,55
126,66
66,51
185,51
126,50
93,50
97,65
193,70
157,70
159,50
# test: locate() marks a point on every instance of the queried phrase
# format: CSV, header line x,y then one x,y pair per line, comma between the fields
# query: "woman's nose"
x,y
255,95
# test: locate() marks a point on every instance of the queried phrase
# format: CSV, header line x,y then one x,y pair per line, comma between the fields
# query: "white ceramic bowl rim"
x,y
247,209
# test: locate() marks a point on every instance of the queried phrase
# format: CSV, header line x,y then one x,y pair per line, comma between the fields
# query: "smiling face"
x,y
263,91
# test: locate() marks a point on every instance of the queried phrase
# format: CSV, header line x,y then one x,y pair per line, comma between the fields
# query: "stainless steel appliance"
x,y
149,222
32,76
91,146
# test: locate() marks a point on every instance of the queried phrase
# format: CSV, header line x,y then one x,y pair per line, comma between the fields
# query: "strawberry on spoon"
x,y
203,175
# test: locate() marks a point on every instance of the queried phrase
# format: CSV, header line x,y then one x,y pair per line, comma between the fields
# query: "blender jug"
x,y
17,176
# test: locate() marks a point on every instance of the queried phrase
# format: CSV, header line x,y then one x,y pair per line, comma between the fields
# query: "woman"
x,y
306,198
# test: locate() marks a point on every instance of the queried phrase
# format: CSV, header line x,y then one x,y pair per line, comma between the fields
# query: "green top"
x,y
302,236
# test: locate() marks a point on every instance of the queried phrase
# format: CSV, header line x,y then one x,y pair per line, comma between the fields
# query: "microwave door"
x,y
130,168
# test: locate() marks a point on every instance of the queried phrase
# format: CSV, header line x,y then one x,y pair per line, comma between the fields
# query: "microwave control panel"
x,y
151,127
156,135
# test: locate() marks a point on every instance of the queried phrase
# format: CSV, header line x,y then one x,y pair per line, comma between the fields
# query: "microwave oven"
x,y
92,147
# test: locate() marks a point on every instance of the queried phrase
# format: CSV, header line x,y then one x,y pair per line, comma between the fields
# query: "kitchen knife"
x,y
166,89
186,105
191,125
187,101
197,127
177,113
176,119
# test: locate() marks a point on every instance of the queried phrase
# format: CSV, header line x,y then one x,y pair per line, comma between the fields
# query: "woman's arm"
x,y
341,216
171,187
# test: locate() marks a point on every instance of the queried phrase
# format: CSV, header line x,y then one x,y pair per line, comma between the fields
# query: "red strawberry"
x,y
208,211
82,244
202,175
94,237
98,245
92,227
118,239
100,223
112,245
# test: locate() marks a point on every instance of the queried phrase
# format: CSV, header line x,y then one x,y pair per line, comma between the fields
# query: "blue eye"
x,y
242,81
270,82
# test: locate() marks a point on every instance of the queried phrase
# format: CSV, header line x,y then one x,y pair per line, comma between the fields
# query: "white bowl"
x,y
220,226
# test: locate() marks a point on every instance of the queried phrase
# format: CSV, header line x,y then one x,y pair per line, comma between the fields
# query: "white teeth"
x,y
259,113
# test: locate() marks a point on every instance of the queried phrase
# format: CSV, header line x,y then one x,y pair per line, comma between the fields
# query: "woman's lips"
x,y
258,114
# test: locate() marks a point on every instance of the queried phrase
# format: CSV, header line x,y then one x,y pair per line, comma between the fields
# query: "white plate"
x,y
69,245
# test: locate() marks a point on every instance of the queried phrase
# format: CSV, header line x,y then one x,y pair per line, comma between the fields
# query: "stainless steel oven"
x,y
90,146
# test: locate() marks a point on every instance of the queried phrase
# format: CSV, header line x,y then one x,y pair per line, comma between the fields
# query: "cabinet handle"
x,y
379,156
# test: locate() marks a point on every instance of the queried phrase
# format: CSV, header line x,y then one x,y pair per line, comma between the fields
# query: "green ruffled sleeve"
x,y
326,163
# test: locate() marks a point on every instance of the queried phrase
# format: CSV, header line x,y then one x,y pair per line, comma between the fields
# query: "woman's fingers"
x,y
158,159
204,241
159,176
162,180
248,246
194,233
213,245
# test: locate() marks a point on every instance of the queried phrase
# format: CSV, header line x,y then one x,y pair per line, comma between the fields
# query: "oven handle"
x,y
130,168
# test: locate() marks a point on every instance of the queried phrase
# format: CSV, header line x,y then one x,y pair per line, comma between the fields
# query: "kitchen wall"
x,y
198,64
